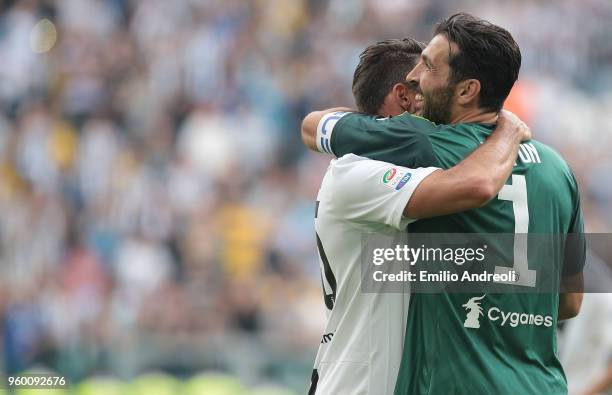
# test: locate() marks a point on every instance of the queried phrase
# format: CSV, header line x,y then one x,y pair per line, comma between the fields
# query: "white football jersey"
x,y
361,348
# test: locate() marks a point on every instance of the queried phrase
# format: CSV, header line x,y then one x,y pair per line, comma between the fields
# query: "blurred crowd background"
x,y
156,203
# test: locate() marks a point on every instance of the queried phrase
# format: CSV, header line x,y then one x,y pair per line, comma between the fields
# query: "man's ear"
x,y
401,94
467,91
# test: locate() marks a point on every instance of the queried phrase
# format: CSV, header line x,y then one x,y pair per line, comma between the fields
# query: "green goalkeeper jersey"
x,y
508,344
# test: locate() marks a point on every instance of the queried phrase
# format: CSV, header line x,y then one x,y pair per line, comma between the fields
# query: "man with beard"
x,y
465,74
361,348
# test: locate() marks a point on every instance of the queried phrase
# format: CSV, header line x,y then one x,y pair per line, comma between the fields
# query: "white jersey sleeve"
x,y
371,191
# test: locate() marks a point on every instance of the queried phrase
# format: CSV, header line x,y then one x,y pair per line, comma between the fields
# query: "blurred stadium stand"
x,y
156,200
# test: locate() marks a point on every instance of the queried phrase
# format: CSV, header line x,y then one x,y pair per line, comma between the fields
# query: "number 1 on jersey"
x,y
517,194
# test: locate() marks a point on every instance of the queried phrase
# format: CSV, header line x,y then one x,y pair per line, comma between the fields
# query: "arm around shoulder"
x,y
310,123
474,181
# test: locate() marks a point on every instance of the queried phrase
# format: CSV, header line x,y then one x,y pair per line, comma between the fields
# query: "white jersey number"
x,y
517,194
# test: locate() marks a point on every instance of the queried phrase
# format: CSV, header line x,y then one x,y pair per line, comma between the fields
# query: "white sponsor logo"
x,y
501,317
474,312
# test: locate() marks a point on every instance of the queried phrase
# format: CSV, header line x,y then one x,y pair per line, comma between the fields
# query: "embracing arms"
x,y
474,181
470,184
311,122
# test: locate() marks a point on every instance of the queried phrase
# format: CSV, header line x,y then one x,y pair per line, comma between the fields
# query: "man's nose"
x,y
412,78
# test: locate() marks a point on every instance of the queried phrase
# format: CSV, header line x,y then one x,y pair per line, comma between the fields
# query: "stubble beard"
x,y
437,105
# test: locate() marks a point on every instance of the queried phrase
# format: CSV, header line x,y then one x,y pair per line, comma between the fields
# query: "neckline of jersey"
x,y
489,126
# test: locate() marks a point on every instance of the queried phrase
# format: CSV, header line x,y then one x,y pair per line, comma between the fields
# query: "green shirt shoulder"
x,y
401,139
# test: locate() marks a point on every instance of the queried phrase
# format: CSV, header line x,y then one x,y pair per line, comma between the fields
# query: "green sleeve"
x,y
402,140
575,245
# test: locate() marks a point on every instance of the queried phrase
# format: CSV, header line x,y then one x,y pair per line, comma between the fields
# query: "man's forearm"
x,y
570,298
311,122
569,305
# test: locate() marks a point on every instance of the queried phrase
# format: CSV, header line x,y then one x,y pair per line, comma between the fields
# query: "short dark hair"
x,y
381,66
487,52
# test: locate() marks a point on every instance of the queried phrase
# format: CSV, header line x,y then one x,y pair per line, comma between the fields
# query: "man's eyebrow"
x,y
425,58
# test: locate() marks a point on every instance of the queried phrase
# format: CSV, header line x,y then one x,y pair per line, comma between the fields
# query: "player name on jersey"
x,y
528,153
